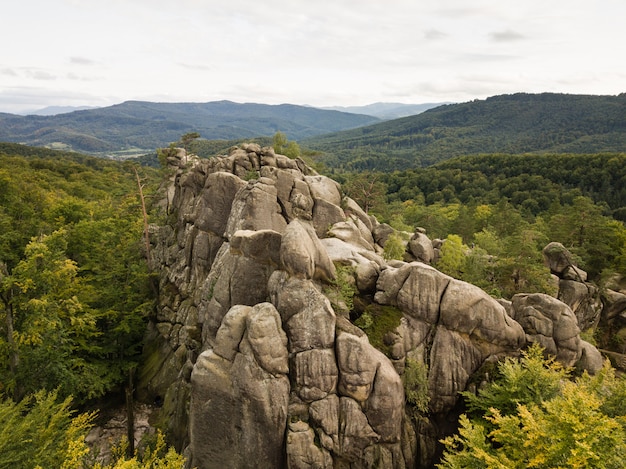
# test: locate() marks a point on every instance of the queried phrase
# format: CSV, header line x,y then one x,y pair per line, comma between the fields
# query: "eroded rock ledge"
x,y
254,365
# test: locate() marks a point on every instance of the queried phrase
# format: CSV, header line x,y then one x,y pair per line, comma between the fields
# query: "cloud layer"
x,y
340,52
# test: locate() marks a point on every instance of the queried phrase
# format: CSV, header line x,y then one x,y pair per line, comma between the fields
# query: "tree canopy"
x,y
74,285
532,415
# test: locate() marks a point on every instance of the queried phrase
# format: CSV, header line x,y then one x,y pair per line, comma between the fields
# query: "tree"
x,y
394,247
452,256
43,432
52,326
279,141
531,379
521,267
187,138
366,190
533,416
596,240
285,147
40,431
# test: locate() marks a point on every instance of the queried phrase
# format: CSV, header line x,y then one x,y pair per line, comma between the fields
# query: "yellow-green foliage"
x,y
376,321
161,457
285,147
573,424
531,379
394,247
40,431
452,256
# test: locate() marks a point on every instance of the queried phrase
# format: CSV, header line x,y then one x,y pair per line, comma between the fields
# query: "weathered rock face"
x,y
452,326
240,384
254,367
574,290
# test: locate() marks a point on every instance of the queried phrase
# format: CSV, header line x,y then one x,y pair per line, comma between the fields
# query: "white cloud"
x,y
506,36
434,34
327,52
81,61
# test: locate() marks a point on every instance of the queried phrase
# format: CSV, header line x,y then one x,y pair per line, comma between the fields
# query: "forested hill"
x,y
519,123
136,125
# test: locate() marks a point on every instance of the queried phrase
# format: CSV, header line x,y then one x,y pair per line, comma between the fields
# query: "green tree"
x,y
522,268
40,431
452,256
535,417
394,247
595,239
187,138
52,326
366,190
285,147
531,379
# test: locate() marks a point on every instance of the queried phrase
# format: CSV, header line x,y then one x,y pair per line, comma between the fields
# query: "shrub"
x,y
415,379
378,320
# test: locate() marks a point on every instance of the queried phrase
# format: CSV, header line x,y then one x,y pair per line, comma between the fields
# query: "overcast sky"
x,y
317,52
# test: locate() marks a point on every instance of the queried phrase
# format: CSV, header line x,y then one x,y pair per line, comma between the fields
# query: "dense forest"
x,y
507,208
513,124
75,296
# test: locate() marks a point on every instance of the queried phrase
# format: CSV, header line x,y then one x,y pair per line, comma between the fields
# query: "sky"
x,y
310,52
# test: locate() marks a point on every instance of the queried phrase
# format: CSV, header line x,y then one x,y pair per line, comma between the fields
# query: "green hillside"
x,y
138,126
519,123
530,182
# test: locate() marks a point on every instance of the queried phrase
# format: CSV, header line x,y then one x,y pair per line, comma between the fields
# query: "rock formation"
x,y
254,365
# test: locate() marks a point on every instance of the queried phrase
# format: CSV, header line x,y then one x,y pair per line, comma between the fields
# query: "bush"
x,y
378,320
415,379
342,291
394,247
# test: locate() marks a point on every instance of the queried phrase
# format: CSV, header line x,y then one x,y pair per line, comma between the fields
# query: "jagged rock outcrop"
x,y
241,384
613,320
451,326
253,365
420,247
574,290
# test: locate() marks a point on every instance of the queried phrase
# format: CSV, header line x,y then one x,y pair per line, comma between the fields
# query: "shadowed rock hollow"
x,y
253,354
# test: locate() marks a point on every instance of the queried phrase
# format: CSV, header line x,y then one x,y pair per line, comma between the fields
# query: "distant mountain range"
x,y
387,111
54,110
513,124
136,126
517,123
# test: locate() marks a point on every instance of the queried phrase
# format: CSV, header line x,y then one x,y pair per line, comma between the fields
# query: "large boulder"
x,y
212,208
303,255
421,247
583,299
551,323
366,263
239,402
557,257
256,207
457,322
